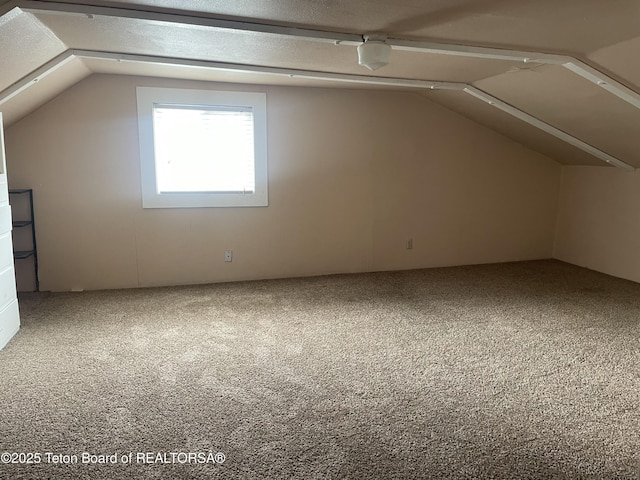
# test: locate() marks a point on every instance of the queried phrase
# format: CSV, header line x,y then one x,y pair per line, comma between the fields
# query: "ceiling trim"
x,y
279,71
550,129
36,75
311,74
604,81
478,52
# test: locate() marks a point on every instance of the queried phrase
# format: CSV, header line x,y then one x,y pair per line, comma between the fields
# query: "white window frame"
x,y
148,97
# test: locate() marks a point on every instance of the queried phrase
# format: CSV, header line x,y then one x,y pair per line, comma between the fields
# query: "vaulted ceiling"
x,y
558,76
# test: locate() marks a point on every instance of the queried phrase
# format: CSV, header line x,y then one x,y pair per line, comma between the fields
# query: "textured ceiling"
x,y
25,44
567,26
126,36
46,46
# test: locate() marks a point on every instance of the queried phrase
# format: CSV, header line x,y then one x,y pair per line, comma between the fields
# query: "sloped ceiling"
x,y
559,77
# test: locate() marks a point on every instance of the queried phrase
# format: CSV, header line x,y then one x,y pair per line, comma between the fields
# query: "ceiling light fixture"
x,y
373,53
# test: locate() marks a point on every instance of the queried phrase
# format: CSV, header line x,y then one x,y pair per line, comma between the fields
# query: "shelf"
x,y
27,221
22,223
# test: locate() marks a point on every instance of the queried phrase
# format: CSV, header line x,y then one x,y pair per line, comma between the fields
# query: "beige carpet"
x,y
525,370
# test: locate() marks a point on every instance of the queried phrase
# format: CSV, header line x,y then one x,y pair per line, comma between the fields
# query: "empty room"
x,y
331,240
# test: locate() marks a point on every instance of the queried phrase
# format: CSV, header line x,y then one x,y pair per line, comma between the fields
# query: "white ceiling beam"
x,y
550,129
371,80
477,52
285,72
603,81
36,75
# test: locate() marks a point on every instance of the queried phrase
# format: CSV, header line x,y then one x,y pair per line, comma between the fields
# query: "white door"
x,y
9,315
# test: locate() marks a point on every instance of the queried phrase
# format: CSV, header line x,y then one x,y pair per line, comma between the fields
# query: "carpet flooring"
x,y
525,370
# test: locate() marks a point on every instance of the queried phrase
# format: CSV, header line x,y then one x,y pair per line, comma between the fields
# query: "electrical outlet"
x,y
410,244
228,256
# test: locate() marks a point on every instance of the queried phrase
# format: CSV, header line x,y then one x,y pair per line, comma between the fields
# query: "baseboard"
x,y
9,323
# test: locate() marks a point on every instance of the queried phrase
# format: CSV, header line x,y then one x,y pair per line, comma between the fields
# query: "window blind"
x,y
205,149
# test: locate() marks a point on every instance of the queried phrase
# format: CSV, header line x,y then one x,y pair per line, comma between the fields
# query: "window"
x,y
202,148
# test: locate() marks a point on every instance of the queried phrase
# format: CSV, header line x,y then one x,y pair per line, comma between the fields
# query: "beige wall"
x,y
599,220
353,174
